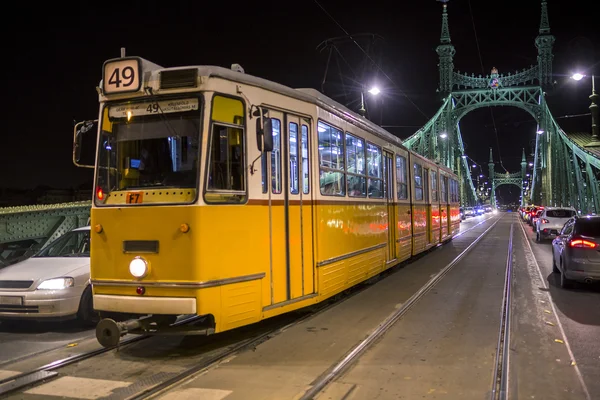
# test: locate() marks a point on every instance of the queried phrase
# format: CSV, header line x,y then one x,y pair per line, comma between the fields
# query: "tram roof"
x,y
305,94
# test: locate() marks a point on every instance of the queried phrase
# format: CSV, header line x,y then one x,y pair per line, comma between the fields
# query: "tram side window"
x,y
226,180
418,172
374,165
434,186
276,157
294,167
401,178
331,160
305,170
444,191
355,159
455,191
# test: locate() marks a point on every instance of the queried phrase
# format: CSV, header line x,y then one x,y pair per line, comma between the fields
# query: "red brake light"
x,y
99,193
582,244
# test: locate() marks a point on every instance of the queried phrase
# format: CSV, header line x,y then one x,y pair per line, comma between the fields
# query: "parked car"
x,y
551,222
575,254
52,284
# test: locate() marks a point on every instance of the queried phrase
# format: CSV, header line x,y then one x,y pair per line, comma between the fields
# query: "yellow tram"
x,y
230,197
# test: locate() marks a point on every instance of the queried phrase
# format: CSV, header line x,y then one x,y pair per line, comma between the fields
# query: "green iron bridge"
x,y
566,166
565,169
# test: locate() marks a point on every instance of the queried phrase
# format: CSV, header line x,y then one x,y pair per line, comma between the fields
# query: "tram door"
x,y
292,274
388,176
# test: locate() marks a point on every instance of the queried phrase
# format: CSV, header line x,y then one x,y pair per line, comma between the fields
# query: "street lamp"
x,y
593,108
374,91
443,135
577,76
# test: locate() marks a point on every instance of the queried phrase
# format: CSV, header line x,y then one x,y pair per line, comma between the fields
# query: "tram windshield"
x,y
149,146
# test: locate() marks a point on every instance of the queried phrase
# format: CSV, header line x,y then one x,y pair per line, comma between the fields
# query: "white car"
x,y
551,222
53,284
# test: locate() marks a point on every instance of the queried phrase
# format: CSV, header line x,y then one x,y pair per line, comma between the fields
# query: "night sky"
x,y
53,62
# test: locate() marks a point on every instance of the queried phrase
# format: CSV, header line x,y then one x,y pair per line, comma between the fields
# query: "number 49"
x,y
125,77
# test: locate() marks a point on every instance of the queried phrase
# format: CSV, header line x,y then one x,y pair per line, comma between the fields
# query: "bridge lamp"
x,y
540,131
374,91
464,156
443,135
531,164
577,76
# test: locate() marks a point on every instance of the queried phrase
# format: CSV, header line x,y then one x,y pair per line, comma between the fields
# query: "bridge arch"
x,y
528,99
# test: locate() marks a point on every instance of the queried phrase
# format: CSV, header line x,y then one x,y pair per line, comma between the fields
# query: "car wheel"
x,y
554,267
564,282
86,313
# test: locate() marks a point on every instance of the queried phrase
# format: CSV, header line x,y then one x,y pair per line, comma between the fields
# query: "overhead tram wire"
x,y
371,59
483,72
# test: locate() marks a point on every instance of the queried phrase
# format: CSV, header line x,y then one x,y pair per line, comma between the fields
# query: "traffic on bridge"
x,y
207,230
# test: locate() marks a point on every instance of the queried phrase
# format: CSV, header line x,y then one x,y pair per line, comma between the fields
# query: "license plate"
x,y
11,300
134,197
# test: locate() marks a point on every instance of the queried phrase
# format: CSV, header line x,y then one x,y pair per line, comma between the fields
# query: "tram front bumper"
x,y
145,305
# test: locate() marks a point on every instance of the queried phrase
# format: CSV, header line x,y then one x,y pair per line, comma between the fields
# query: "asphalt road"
x,y
20,339
578,310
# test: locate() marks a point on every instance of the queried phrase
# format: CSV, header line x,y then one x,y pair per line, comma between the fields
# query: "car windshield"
x,y
71,244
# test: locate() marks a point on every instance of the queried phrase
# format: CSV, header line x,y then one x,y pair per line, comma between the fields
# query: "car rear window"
x,y
588,227
560,213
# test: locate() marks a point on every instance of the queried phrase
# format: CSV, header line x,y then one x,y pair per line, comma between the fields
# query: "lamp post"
x,y
593,109
374,91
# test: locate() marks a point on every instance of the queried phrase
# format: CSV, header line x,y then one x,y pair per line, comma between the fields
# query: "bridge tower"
x,y
446,52
491,177
523,176
544,43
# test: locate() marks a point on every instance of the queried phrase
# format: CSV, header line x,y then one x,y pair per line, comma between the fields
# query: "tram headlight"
x,y
138,267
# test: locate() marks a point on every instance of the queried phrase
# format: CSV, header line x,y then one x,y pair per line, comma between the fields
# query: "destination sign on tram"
x,y
154,107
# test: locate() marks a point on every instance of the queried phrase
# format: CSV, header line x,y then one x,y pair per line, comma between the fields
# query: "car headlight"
x,y
138,267
56,284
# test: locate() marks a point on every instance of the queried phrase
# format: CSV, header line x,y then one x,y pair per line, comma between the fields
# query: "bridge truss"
x,y
565,172
27,229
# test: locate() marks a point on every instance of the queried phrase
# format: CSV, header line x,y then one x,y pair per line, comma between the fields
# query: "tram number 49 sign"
x,y
122,75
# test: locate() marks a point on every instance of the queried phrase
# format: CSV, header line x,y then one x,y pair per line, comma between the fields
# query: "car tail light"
x,y
544,221
582,244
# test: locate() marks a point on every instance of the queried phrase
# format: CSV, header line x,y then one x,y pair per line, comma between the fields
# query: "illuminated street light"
x,y
531,164
594,110
540,131
443,135
577,76
374,91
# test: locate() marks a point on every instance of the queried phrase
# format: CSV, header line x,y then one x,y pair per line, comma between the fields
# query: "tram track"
x,y
26,380
500,384
337,370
